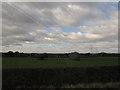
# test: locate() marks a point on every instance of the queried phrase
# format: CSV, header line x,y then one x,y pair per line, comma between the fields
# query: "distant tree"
x,y
41,57
88,53
22,54
16,53
103,53
10,53
45,55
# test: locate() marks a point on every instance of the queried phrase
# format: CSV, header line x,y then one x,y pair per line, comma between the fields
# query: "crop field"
x,y
29,62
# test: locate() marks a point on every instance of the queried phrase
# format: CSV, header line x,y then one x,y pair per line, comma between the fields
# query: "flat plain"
x,y
29,62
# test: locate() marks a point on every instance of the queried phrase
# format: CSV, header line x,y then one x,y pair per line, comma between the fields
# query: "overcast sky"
x,y
60,27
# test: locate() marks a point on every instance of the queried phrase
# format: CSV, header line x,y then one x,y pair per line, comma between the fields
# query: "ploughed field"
x,y
29,62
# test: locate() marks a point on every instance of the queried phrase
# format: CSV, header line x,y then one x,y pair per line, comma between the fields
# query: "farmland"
x,y
29,62
60,72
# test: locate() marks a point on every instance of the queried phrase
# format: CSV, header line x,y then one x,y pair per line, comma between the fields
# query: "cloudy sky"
x,y
60,27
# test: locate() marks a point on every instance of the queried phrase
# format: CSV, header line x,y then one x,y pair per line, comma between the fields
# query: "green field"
x,y
29,62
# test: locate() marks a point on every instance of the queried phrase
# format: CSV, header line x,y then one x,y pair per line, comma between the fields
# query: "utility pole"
x,y
91,48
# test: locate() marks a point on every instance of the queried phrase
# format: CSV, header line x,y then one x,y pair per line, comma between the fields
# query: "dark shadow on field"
x,y
57,77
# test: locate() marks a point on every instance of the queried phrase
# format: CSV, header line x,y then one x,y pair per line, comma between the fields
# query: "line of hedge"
x,y
59,76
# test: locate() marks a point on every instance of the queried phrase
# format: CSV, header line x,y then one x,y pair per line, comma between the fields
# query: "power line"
x,y
25,13
91,48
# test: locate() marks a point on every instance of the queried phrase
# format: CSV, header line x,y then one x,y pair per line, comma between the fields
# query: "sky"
x,y
57,27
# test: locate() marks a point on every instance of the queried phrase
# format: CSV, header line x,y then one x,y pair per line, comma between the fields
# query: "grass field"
x,y
29,62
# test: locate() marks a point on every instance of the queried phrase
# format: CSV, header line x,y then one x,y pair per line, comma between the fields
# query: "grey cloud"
x,y
26,22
